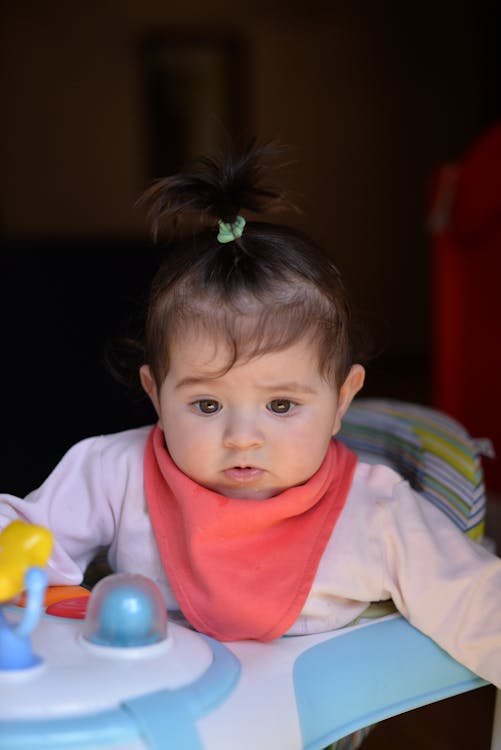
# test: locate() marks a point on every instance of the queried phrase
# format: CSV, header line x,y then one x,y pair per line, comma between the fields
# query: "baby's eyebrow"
x,y
288,387
195,380
279,387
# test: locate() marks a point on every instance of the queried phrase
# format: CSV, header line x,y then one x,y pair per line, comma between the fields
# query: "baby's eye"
x,y
207,405
280,405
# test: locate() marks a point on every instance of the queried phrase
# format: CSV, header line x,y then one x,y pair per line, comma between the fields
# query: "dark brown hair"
x,y
261,292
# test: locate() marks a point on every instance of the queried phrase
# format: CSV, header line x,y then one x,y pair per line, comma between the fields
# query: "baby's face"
x,y
261,427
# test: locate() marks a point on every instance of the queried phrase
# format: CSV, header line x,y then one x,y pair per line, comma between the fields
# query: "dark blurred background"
x,y
99,98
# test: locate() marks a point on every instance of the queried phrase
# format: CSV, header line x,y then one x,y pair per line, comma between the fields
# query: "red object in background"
x,y
465,221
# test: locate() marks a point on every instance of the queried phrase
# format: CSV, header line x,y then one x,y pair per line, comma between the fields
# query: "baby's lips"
x,y
244,473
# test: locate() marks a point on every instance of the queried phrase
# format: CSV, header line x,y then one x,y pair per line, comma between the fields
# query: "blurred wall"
x,y
370,97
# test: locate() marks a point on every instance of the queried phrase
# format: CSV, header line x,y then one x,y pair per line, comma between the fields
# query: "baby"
x,y
238,503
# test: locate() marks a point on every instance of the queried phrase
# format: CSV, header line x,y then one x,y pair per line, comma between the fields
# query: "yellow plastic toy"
x,y
22,546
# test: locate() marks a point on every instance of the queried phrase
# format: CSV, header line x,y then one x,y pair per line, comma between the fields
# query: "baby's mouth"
x,y
243,473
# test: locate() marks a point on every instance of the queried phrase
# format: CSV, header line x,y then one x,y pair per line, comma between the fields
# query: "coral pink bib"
x,y
242,568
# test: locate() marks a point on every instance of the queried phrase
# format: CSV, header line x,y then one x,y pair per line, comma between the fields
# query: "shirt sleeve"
x,y
73,504
445,584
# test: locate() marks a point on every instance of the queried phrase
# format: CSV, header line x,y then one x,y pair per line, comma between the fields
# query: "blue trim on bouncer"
x,y
386,668
165,717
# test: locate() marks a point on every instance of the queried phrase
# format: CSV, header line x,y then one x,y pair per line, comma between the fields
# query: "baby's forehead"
x,y
228,335
199,351
212,356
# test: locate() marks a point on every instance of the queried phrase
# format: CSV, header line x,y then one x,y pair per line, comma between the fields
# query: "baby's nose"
x,y
242,432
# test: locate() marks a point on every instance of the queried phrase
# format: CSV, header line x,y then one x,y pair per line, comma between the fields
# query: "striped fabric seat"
x,y
429,449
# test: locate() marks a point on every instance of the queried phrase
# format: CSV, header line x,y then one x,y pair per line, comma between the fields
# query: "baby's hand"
x,y
22,546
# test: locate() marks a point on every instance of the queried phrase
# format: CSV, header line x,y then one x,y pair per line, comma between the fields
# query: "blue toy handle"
x,y
15,643
35,581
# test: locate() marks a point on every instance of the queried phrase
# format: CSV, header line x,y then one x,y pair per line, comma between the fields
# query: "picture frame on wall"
x,y
194,93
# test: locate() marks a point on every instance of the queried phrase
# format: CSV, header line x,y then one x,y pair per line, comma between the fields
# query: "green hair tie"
x,y
229,232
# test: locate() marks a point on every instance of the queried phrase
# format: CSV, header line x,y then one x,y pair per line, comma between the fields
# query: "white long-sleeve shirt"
x,y
388,543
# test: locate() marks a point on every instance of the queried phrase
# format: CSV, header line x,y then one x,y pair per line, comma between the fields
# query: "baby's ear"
x,y
351,386
149,385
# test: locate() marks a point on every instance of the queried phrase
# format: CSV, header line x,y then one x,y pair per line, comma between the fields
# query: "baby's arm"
x,y
73,504
446,585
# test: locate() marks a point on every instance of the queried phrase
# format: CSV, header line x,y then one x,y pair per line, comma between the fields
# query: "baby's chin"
x,y
245,493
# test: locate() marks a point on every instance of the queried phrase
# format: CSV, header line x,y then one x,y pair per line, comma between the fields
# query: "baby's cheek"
x,y
311,450
191,454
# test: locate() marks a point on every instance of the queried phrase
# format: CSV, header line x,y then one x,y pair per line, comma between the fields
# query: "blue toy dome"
x,y
125,611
